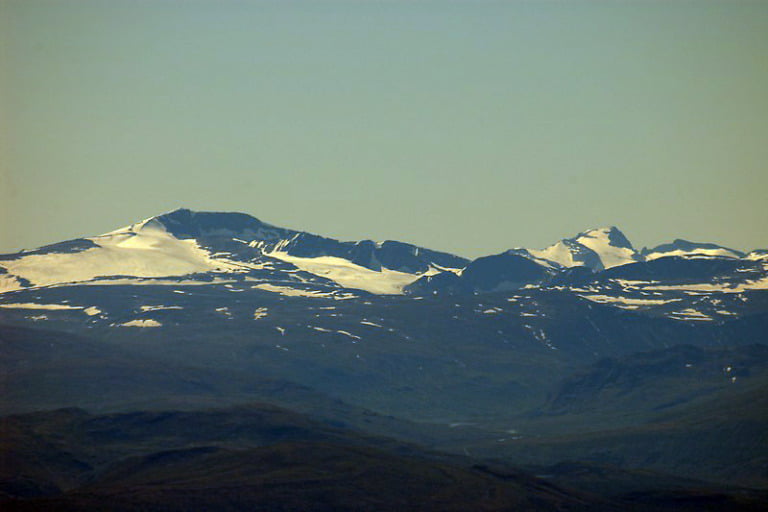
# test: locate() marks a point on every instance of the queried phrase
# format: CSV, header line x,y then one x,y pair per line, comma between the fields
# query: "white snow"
x,y
627,302
349,334
689,314
8,283
156,281
626,283
757,255
350,275
757,284
135,251
144,249
595,239
144,309
611,256
92,311
558,252
260,313
436,269
224,310
298,292
31,305
291,292
719,253
372,324
141,323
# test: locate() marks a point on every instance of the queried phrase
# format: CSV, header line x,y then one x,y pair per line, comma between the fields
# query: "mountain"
x,y
186,246
500,272
597,249
681,247
236,252
252,457
529,357
604,248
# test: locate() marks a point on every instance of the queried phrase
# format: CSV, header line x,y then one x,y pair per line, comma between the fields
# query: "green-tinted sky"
x,y
465,126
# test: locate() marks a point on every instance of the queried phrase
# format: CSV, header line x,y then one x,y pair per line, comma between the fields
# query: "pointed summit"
x,y
612,234
598,249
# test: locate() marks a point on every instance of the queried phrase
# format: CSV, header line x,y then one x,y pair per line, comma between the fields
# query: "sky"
x,y
464,126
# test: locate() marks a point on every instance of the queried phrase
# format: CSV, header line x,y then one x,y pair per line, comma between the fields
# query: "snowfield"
x,y
350,275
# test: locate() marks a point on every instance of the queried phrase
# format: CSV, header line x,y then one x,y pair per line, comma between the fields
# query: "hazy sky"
x,y
465,126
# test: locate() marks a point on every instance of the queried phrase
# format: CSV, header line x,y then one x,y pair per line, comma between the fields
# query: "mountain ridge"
x,y
480,358
211,246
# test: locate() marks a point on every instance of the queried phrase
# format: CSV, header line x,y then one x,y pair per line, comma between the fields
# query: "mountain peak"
x,y
596,248
612,234
681,247
184,223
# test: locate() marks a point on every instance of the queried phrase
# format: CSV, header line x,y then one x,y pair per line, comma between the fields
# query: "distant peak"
x,y
614,235
682,246
186,223
604,230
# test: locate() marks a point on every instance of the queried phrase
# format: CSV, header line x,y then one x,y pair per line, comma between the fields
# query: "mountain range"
x,y
211,246
588,375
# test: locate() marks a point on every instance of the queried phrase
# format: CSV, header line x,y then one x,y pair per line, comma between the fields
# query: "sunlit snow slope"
x,y
210,247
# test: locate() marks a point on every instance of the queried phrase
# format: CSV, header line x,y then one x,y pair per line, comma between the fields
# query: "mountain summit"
x,y
598,249
185,246
212,246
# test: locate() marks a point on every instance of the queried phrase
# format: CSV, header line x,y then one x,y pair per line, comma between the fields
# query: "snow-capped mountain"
x,y
597,249
680,247
205,308
604,248
352,318
204,247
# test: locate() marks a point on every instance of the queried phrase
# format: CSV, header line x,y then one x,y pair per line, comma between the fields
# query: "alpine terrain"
x,y
212,361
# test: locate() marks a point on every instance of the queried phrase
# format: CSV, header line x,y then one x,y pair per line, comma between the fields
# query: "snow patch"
x,y
559,253
627,302
9,283
141,323
144,309
689,314
720,252
31,305
298,292
139,251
